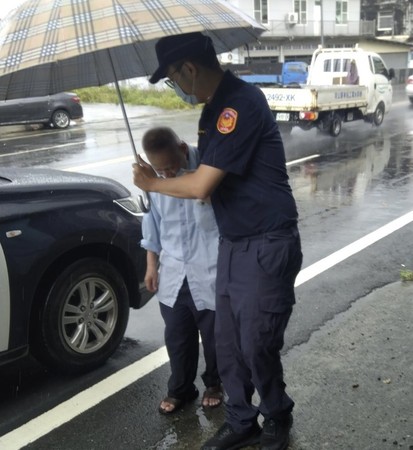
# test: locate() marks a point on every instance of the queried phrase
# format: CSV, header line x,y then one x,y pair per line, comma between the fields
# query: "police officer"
x,y
243,171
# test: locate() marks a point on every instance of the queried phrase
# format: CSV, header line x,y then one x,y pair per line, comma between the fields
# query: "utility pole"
x,y
321,23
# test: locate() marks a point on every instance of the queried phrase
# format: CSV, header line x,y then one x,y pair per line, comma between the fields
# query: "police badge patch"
x,y
227,121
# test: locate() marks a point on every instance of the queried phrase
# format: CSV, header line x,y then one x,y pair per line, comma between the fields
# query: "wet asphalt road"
x,y
345,188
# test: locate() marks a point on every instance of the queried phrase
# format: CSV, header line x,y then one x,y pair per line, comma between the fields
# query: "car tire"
x,y
60,119
411,100
378,115
83,319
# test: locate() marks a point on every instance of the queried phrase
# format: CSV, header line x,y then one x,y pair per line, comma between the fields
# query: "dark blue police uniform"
x,y
259,253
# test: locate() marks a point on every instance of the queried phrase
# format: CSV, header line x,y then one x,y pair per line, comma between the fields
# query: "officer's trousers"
x,y
183,323
255,294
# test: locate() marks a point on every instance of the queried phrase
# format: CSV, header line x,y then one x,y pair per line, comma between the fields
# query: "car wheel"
x,y
411,100
378,115
60,119
84,317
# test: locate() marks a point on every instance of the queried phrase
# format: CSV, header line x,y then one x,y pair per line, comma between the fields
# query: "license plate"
x,y
283,117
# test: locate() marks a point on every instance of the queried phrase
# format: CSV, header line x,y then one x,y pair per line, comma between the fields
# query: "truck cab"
x,y
294,72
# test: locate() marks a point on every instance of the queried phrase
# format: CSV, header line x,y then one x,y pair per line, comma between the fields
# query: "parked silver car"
x,y
52,110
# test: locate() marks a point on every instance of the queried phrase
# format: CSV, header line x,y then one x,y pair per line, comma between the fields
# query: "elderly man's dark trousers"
x,y
183,324
255,293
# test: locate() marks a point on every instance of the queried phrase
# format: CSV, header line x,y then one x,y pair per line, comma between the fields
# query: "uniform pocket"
x,y
279,260
280,257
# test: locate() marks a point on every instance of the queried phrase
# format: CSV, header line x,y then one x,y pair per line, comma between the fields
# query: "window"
x,y
385,21
261,10
341,12
300,7
346,65
336,65
378,66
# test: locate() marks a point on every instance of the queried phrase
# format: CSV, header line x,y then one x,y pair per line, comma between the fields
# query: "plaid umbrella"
x,y
68,44
50,46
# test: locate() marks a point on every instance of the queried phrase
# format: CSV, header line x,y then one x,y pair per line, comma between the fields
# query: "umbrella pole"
x,y
144,201
122,105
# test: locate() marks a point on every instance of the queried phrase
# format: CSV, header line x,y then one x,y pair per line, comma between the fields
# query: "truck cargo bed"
x,y
316,98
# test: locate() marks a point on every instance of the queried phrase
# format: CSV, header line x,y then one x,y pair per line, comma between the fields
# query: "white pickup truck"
x,y
333,94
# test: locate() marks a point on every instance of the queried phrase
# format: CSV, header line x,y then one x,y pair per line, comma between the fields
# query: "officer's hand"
x,y
143,175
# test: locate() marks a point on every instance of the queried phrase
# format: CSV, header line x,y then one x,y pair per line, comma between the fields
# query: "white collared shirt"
x,y
184,233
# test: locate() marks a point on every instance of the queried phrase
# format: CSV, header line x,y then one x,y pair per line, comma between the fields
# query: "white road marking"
x,y
42,149
326,263
122,159
81,402
106,162
300,160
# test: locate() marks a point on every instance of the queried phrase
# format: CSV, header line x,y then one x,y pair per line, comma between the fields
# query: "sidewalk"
x,y
353,380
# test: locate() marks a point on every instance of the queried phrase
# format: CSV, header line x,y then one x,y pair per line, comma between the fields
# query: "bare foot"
x,y
212,397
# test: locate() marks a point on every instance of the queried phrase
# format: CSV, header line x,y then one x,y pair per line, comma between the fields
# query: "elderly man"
x,y
181,238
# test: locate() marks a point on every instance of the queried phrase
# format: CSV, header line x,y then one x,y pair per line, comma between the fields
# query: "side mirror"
x,y
391,74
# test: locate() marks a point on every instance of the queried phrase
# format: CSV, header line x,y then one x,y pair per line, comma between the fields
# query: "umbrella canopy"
x,y
50,46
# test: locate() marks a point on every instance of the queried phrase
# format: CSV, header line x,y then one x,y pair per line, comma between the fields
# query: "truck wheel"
x,y
285,130
306,125
378,115
335,125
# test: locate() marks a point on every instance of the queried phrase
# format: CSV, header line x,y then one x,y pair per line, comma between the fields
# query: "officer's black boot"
x,y
275,433
226,438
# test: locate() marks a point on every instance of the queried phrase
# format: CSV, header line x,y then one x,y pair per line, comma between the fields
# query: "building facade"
x,y
295,28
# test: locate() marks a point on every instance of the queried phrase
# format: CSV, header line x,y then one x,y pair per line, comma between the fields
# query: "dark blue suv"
x,y
70,267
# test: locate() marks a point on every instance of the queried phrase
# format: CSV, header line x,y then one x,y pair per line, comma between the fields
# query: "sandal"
x,y
212,392
177,403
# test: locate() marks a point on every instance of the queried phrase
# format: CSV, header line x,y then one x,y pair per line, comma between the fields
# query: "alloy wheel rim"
x,y
89,315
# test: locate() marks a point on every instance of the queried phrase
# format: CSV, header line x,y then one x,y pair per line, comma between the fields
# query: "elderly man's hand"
x,y
143,175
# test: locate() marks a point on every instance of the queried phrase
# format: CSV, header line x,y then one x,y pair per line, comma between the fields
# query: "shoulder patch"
x,y
227,121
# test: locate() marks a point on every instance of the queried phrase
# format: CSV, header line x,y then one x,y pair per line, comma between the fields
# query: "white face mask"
x,y
188,98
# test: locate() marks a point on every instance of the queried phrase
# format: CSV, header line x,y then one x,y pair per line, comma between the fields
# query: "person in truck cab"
x,y
352,76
